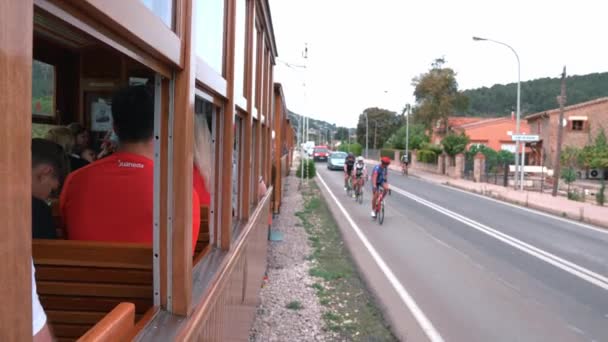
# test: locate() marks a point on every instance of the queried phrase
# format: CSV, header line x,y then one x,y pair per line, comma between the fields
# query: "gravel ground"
x,y
289,309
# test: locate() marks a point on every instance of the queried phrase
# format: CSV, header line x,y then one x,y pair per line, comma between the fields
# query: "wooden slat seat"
x,y
79,282
202,242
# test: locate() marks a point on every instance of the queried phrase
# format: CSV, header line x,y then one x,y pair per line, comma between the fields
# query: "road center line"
x,y
565,265
407,299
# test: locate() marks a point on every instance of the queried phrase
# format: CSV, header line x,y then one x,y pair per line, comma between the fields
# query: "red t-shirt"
x,y
200,187
112,200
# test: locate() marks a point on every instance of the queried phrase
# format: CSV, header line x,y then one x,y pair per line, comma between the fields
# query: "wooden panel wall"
x,y
16,30
228,309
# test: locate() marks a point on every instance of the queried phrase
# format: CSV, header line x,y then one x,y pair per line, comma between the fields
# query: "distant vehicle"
x,y
320,153
336,160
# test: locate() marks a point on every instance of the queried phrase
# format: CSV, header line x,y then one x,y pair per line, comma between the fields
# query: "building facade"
x,y
581,125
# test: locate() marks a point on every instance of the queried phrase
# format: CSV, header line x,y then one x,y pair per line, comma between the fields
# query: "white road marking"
x,y
407,299
533,211
570,267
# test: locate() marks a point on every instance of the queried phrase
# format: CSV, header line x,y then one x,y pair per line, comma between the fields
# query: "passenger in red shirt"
x,y
112,199
202,159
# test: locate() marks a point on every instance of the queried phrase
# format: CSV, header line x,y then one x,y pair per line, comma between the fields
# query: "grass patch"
x,y
351,311
294,305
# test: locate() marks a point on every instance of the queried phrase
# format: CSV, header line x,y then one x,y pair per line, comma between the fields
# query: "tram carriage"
x,y
60,62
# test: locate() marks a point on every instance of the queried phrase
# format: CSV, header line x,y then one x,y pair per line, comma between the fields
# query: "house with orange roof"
x,y
493,132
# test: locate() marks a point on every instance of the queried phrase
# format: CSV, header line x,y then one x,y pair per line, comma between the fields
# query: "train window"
x,y
163,9
205,170
209,28
237,172
253,199
43,89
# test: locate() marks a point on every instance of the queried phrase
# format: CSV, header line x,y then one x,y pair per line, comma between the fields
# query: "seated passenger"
x,y
63,136
81,142
112,199
203,162
88,154
48,169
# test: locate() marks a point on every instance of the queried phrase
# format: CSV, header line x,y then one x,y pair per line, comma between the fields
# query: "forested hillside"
x,y
536,95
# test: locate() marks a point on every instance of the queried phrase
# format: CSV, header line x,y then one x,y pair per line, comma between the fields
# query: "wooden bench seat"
x,y
80,282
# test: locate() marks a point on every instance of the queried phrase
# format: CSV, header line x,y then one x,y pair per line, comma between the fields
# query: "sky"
x,y
364,53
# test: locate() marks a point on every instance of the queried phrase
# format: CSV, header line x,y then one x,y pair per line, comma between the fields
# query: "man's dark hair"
x,y
133,114
49,153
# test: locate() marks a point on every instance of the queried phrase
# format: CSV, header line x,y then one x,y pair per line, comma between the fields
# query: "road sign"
x,y
525,137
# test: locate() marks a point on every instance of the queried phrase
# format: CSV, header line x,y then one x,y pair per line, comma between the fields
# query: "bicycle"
x,y
404,169
380,205
359,190
349,187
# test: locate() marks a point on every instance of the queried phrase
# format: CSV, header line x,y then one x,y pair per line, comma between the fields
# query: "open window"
x,y
81,278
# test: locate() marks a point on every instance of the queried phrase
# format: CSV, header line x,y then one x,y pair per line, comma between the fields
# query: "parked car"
x,y
336,160
320,153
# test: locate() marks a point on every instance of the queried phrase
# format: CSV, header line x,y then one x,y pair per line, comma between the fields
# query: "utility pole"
x,y
366,136
560,127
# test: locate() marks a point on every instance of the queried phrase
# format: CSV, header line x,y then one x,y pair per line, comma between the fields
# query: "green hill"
x,y
536,95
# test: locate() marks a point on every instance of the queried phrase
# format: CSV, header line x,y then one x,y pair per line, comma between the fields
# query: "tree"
x,y
455,143
569,176
570,157
382,123
417,137
341,134
437,95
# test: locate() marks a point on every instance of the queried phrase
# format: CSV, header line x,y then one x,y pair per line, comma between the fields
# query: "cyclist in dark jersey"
x,y
349,164
379,181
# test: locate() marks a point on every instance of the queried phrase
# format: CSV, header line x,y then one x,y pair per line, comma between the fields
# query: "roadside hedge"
x,y
355,148
309,169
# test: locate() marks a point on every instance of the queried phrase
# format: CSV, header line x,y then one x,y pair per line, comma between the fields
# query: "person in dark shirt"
x,y
48,170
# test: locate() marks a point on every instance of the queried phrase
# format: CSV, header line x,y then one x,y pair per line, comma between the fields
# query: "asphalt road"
x,y
478,269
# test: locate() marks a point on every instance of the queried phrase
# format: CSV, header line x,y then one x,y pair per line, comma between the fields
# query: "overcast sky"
x,y
364,53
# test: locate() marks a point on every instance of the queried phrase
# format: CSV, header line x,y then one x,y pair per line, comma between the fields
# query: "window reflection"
x,y
239,54
209,31
163,9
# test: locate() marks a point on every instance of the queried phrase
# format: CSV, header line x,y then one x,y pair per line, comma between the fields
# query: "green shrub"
x,y
427,156
355,148
600,197
387,152
574,195
309,169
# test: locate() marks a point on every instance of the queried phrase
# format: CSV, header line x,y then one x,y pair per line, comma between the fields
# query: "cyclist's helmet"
x,y
385,160
351,155
359,159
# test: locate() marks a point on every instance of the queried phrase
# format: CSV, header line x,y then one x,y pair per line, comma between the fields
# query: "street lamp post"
x,y
366,137
517,124
407,133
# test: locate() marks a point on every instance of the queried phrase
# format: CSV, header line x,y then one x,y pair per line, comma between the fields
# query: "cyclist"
x,y
360,172
404,163
379,181
349,164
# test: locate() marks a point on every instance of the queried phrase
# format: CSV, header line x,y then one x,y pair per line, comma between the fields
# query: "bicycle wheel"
x,y
381,213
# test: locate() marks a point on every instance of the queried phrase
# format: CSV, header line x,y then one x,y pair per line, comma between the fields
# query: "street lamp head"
x,y
478,39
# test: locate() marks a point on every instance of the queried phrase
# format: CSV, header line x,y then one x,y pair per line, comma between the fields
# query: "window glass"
x,y
577,125
163,9
239,53
236,163
43,89
254,63
209,32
